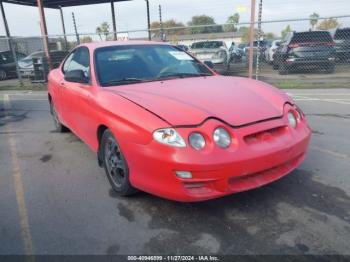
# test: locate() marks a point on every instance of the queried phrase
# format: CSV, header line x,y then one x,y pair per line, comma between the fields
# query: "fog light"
x,y
184,174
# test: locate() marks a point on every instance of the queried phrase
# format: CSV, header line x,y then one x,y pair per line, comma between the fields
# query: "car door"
x,y
77,97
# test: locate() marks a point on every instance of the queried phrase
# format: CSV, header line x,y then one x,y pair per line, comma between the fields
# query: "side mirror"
x,y
77,76
209,64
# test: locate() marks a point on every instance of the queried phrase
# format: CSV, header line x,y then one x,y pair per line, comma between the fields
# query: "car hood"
x,y
190,101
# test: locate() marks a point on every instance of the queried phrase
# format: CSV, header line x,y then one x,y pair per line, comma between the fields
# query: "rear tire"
x,y
59,127
115,165
3,74
330,69
274,65
283,69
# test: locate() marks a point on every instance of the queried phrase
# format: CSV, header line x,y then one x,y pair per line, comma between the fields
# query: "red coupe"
x,y
165,123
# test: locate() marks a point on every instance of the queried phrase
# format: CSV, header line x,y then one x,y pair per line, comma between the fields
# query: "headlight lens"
x,y
169,136
292,120
221,137
197,141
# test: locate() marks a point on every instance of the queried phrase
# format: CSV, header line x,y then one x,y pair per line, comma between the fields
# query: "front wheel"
x,y
3,74
58,125
330,69
115,165
283,69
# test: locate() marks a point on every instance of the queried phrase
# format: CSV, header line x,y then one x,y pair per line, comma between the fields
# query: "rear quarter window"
x,y
342,34
305,37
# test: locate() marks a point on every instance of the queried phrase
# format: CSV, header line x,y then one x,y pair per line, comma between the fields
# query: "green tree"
x,y
168,24
233,20
201,21
328,24
285,31
86,39
270,35
103,29
245,30
313,20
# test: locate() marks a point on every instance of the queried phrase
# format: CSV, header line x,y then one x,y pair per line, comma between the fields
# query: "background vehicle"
x,y
183,47
341,37
305,50
263,45
271,50
213,51
26,67
7,64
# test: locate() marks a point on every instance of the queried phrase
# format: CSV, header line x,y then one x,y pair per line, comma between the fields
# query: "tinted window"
x,y
305,37
342,34
207,44
144,62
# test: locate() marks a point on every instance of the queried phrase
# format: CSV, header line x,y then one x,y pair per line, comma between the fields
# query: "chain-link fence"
x,y
285,53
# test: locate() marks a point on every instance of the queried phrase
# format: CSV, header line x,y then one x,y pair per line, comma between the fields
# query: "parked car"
x,y
341,37
162,122
271,51
263,46
7,64
183,47
305,50
215,52
26,67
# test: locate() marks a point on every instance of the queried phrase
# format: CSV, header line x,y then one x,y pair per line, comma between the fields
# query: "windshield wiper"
x,y
123,81
181,75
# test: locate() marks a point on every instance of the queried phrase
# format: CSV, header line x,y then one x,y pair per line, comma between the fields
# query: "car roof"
x,y
95,45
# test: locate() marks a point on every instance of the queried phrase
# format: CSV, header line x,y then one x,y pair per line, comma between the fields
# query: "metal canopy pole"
x,y
63,29
8,35
113,21
44,32
148,21
251,42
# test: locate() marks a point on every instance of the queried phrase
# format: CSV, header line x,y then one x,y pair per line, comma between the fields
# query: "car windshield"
x,y
119,65
342,34
313,37
261,43
34,55
207,44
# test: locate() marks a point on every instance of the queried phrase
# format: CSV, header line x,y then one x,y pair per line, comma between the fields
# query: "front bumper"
x,y
26,72
259,154
310,62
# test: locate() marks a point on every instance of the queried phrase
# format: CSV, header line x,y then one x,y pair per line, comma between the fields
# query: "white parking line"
x,y
29,99
329,100
330,152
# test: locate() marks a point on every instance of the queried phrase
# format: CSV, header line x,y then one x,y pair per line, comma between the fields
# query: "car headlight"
x,y
292,120
197,141
221,137
169,136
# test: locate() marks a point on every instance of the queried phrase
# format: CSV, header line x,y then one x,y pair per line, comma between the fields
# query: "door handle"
x,y
62,84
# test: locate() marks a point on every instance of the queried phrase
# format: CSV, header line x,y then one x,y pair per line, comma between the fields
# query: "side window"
x,y
78,60
67,63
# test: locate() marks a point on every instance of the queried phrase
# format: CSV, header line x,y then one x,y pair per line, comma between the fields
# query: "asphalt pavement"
x,y
55,199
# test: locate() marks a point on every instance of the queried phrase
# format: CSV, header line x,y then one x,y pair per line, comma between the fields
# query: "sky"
x,y
131,15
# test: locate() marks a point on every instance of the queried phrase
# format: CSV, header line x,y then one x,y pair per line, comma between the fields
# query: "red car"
x,y
163,122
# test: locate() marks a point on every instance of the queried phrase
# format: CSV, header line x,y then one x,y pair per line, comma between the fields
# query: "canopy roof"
x,y
60,3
